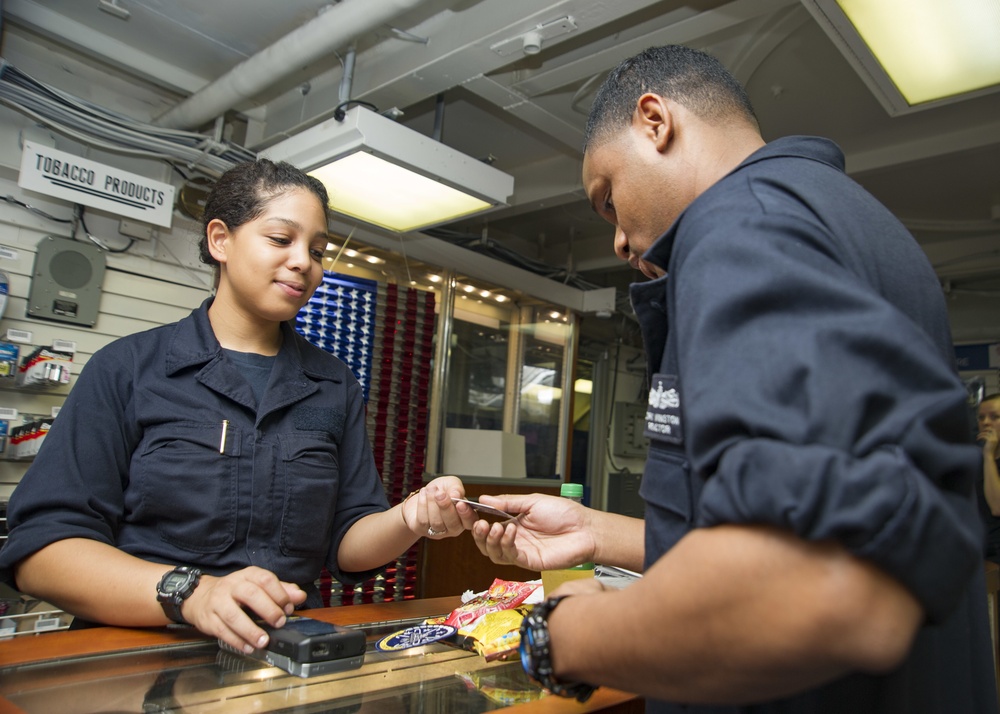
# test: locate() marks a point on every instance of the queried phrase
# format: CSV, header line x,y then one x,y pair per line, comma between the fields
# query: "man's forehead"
x,y
592,178
594,158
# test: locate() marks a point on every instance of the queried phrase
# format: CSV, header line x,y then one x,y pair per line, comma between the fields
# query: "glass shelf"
x,y
200,677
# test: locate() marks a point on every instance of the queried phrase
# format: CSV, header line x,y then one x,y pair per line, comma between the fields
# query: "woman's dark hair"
x,y
243,192
692,78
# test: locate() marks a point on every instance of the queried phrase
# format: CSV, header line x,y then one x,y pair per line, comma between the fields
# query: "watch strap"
x,y
536,653
171,601
173,611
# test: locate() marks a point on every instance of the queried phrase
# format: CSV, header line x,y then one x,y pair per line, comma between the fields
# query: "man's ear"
x,y
217,234
656,120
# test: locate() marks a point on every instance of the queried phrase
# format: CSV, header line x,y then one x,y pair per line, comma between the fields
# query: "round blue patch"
x,y
414,637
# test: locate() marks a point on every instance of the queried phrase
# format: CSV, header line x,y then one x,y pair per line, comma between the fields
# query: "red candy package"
x,y
501,595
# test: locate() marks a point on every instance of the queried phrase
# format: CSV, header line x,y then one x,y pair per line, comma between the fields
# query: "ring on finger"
x,y
432,532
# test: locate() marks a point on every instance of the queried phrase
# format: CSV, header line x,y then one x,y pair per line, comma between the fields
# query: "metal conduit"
x,y
332,28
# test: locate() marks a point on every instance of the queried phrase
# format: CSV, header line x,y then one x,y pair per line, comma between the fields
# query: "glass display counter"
x,y
116,670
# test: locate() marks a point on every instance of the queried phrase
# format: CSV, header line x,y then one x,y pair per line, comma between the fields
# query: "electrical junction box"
x,y
623,494
629,425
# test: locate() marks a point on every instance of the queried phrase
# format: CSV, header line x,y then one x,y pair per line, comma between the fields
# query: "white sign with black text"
x,y
56,173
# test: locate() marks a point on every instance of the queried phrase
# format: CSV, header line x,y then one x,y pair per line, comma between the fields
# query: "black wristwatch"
x,y
536,655
174,588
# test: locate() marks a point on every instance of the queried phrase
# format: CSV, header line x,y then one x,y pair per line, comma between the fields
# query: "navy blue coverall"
x,y
803,377
162,451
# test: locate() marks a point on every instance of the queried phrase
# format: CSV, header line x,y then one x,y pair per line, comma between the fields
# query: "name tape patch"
x,y
663,413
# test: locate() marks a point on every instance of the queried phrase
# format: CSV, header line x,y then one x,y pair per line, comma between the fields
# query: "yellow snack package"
x,y
496,635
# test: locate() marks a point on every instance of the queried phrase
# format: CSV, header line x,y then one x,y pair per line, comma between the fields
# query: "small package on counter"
x,y
489,622
501,595
496,635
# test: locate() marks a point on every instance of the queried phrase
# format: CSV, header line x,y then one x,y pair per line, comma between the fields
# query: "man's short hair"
x,y
690,77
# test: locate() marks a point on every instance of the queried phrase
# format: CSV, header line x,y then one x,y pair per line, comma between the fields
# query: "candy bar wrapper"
x,y
501,595
496,635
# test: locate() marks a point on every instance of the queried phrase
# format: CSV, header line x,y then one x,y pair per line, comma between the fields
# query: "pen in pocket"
x,y
222,441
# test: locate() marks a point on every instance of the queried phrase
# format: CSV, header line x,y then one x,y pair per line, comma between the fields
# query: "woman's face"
x,y
272,265
989,415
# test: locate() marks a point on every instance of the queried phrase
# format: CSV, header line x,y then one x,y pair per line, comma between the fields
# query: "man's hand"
x,y
549,532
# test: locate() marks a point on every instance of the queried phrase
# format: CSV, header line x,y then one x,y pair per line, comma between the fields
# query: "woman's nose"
x,y
299,258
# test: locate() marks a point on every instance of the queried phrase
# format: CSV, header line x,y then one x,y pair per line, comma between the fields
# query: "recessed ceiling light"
x,y
914,54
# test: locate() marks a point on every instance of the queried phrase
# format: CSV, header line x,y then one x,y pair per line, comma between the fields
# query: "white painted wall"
x,y
157,281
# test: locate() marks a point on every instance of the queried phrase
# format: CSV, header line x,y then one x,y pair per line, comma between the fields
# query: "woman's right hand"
x,y
219,606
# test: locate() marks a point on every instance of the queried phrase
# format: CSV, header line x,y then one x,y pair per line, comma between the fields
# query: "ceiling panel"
x,y
937,169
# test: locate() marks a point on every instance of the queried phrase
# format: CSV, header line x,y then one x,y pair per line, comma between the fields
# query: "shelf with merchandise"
x,y
21,442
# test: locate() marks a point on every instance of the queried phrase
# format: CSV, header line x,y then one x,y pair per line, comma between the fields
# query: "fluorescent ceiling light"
x,y
914,54
383,173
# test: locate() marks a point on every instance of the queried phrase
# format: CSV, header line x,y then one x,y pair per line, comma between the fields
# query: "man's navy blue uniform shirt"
x,y
803,377
162,450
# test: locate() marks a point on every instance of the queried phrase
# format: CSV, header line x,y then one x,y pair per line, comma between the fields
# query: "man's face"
x,y
625,180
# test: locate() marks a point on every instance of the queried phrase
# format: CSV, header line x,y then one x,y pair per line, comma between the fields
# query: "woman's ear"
x,y
217,235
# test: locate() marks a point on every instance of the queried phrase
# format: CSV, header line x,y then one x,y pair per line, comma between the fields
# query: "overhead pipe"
x,y
332,28
347,80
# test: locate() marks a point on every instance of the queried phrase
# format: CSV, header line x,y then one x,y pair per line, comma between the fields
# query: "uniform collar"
x,y
194,343
814,148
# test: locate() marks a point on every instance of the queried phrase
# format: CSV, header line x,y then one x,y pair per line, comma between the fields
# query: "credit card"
x,y
484,509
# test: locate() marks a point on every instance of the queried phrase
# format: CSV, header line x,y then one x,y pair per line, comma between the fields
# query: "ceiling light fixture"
x,y
914,54
383,173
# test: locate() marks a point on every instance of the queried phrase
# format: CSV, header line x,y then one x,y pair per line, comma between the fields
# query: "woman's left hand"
x,y
431,513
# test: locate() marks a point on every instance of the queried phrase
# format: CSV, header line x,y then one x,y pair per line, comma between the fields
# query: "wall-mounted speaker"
x,y
66,282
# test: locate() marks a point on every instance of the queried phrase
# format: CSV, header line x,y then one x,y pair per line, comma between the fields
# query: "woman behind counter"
x,y
224,443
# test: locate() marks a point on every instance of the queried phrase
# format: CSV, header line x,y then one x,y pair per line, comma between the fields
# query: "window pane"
x,y
477,376
541,395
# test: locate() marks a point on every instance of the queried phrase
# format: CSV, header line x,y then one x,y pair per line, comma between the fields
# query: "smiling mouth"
x,y
292,287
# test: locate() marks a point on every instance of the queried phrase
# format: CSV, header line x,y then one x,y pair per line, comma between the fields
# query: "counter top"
x,y
112,669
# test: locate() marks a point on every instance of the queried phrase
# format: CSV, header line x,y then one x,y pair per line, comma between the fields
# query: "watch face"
x,y
175,581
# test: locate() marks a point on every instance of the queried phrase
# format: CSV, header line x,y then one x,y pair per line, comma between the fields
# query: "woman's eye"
x,y
317,254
